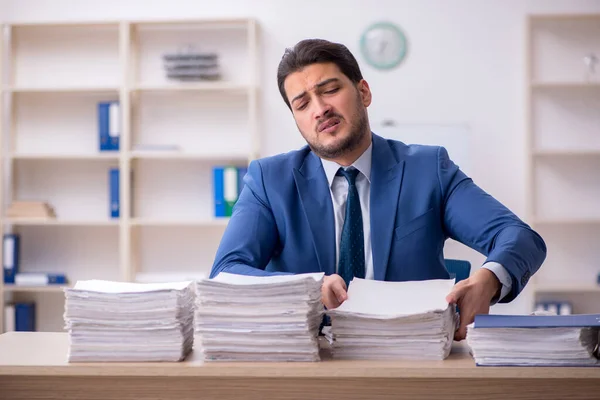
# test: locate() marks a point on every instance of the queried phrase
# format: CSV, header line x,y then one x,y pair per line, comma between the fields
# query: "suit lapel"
x,y
315,198
386,179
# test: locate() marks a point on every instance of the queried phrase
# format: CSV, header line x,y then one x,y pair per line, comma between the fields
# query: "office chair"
x,y
458,269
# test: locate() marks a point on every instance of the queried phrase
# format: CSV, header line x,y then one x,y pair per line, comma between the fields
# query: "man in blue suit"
x,y
353,204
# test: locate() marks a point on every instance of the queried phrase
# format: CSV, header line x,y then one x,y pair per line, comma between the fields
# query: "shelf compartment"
x,y
48,122
567,120
65,55
198,122
170,190
558,46
77,190
567,188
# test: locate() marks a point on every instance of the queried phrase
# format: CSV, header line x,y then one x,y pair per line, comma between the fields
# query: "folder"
x,y
39,279
218,191
109,125
230,189
25,317
10,263
537,321
113,190
535,340
227,184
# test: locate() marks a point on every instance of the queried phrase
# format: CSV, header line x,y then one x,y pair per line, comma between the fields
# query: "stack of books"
x,y
535,340
30,209
117,321
394,320
250,318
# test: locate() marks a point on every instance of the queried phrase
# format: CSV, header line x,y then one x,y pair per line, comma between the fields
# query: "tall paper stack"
x,y
249,318
535,340
394,320
117,321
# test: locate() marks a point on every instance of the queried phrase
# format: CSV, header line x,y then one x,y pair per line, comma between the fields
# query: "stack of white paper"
x,y
394,320
117,321
249,318
522,340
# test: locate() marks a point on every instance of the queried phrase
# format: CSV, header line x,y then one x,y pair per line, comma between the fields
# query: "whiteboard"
x,y
456,138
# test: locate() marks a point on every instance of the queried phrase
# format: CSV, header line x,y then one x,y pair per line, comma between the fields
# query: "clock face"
x,y
383,45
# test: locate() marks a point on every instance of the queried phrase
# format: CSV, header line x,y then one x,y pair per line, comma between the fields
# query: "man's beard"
x,y
349,143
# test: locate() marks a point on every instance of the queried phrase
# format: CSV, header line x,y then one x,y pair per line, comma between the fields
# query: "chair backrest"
x,y
459,269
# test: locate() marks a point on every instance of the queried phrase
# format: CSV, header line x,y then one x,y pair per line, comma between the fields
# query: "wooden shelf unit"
x,y
563,145
57,73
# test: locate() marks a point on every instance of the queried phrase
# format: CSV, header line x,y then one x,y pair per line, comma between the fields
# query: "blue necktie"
x,y
352,243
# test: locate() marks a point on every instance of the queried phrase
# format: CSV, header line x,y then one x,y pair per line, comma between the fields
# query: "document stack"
x,y
117,321
535,340
192,65
394,321
266,318
30,209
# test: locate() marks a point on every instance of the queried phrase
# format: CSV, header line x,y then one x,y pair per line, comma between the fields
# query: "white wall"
x,y
466,64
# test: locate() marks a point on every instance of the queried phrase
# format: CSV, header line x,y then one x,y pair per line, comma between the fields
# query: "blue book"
x,y
113,193
109,125
219,191
537,321
25,317
10,263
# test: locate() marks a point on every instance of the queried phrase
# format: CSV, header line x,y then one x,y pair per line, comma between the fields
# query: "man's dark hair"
x,y
312,51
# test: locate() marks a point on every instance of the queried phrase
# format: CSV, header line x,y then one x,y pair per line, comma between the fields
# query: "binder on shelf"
x,y
218,191
39,279
227,185
113,193
230,189
9,318
10,263
25,317
555,307
109,125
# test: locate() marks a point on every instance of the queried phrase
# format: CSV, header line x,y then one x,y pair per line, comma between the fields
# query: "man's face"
x,y
329,109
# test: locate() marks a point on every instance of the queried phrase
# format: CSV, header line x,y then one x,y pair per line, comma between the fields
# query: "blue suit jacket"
x,y
283,221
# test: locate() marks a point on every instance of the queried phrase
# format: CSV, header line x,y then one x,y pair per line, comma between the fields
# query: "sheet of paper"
x,y
102,286
393,299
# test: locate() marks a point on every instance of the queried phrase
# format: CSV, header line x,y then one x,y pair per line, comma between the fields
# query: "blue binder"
x,y
25,317
537,321
113,190
10,264
40,278
109,125
218,191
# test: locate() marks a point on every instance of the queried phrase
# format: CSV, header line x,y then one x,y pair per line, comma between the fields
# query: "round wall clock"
x,y
383,45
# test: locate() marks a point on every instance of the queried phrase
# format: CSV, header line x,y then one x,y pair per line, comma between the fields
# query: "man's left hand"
x,y
473,296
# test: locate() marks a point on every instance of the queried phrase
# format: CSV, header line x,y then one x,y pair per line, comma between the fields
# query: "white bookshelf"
x,y
563,142
56,75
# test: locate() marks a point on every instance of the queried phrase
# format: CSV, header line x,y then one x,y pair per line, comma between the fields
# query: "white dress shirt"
x,y
338,187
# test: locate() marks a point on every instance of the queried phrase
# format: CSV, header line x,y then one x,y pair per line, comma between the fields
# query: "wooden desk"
x,y
34,366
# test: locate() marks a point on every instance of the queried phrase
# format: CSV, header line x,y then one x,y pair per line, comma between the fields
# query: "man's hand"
x,y
333,291
473,296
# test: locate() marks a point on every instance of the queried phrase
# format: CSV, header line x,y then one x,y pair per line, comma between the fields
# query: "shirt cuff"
x,y
502,275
